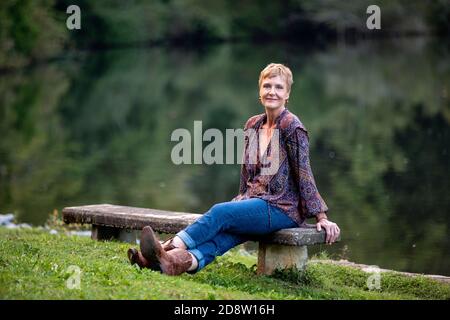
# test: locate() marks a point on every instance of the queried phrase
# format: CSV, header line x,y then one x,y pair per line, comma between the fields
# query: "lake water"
x,y
95,127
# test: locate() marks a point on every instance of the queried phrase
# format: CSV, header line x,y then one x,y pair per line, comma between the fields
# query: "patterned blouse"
x,y
282,176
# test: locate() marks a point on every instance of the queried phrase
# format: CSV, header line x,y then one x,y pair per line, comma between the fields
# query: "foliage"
x,y
36,30
96,129
35,265
29,30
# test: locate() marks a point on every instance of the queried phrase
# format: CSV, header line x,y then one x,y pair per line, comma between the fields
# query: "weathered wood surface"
x,y
129,217
171,222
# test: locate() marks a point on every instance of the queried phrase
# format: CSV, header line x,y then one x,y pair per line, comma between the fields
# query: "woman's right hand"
x,y
332,230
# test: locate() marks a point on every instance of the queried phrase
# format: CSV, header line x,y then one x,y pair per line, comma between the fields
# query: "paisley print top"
x,y
283,175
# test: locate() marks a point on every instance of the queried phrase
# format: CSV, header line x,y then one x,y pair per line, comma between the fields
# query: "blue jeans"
x,y
229,224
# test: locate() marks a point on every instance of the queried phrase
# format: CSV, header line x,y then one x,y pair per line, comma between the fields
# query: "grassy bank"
x,y
36,265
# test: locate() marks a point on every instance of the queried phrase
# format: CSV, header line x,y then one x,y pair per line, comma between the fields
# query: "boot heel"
x,y
132,254
151,248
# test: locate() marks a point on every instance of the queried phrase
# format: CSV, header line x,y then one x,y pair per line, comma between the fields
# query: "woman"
x,y
277,190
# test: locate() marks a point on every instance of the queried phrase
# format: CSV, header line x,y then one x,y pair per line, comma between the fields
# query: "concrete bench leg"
x,y
111,233
275,256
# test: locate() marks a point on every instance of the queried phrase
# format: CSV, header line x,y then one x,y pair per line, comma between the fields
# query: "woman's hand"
x,y
332,230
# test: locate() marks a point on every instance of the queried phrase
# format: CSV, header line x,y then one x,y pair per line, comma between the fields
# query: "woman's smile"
x,y
274,92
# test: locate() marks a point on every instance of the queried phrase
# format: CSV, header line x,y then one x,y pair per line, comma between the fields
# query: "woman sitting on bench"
x,y
277,190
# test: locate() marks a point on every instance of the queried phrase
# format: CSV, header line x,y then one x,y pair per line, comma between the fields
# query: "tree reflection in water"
x,y
97,130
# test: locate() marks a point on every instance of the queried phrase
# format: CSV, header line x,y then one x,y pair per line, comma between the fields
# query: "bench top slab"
x,y
172,222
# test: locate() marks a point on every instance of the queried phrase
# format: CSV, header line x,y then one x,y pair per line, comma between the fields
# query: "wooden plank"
x,y
172,222
296,237
129,217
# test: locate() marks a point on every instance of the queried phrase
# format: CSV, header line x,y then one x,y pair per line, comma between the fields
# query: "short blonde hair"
x,y
277,69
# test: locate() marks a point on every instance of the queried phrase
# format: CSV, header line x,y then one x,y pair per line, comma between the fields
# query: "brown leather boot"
x,y
173,262
179,261
168,244
136,257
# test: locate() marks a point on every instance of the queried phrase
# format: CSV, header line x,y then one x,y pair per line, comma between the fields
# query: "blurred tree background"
x,y
86,115
35,30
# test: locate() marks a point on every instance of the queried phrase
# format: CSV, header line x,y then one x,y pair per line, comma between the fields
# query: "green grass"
x,y
35,265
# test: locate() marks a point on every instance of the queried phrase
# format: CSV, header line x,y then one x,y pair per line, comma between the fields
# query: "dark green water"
x,y
95,128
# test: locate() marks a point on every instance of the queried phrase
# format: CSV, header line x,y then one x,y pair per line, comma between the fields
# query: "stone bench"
x,y
283,249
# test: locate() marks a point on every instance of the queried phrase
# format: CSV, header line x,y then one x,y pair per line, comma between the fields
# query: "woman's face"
x,y
273,92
